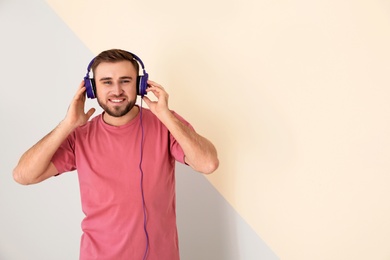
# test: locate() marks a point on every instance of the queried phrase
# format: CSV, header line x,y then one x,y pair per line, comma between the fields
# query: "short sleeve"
x,y
64,157
176,150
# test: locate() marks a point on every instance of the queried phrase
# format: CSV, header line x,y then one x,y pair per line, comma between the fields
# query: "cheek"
x,y
131,90
100,92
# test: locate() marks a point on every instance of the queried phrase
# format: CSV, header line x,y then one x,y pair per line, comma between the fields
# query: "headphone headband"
x,y
135,57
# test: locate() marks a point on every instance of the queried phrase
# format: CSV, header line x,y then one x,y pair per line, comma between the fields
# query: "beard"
x,y
117,111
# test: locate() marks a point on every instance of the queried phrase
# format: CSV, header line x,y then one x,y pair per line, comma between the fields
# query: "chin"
x,y
117,111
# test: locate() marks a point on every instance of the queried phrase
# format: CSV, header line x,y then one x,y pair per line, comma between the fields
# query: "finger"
x,y
151,83
157,88
80,92
90,112
153,89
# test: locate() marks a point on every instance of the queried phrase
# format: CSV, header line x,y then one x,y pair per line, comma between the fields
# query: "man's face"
x,y
116,87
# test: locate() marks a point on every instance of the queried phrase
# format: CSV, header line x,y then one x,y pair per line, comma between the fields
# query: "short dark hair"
x,y
114,55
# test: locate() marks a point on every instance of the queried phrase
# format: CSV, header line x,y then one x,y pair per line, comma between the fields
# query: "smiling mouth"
x,y
117,100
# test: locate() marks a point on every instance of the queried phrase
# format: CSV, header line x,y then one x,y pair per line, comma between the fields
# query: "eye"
x,y
107,82
125,81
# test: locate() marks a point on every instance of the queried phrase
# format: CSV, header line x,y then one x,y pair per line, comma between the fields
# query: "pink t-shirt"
x,y
107,160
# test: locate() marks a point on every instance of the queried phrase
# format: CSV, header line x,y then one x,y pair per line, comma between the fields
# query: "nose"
x,y
117,89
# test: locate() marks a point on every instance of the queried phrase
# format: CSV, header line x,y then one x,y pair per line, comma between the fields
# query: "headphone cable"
x,y
142,187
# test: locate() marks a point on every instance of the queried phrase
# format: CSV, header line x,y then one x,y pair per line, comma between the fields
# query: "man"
x,y
125,160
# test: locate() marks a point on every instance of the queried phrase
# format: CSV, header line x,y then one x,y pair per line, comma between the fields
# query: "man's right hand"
x,y
76,116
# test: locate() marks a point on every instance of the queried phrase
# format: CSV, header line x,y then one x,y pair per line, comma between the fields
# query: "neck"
x,y
118,121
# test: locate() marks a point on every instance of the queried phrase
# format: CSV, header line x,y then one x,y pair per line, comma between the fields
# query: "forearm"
x,y
35,162
199,152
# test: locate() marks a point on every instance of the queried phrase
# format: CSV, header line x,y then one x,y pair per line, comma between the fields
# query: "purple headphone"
x,y
142,80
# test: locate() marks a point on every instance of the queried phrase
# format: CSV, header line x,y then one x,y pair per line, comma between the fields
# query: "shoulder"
x,y
147,118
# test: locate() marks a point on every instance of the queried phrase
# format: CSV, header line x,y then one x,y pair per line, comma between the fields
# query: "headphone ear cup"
x,y
142,84
90,87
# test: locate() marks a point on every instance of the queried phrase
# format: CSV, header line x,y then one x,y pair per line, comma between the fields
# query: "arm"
x,y
35,164
199,152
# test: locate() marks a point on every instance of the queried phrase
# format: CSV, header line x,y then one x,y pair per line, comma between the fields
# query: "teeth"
x,y
116,100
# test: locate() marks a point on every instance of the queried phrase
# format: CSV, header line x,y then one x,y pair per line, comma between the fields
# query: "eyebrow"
x,y
109,78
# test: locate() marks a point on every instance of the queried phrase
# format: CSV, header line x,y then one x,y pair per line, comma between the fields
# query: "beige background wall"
x,y
295,95
296,98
